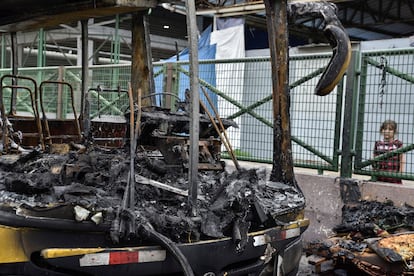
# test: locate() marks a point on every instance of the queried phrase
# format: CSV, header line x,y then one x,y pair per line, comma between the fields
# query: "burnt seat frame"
x,y
33,92
49,134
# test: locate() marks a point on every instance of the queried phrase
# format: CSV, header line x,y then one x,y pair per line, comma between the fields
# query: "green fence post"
x,y
41,48
170,85
361,112
115,53
349,117
3,51
338,117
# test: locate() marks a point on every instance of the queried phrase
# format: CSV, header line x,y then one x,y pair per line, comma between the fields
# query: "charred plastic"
x,y
88,183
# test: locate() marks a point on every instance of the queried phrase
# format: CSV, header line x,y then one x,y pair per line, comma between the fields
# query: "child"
x,y
394,163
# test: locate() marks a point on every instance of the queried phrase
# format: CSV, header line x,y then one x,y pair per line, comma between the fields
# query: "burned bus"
x,y
91,195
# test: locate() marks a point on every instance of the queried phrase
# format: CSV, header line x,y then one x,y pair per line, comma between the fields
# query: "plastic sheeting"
x,y
226,43
206,51
230,45
229,41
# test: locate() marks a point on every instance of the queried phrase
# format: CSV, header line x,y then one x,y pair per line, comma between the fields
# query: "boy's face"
x,y
388,133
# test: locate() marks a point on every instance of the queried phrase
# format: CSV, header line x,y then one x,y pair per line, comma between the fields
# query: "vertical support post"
x,y
349,118
139,65
40,53
338,124
85,78
170,81
14,55
115,55
151,88
116,42
195,105
60,103
276,18
3,51
41,48
15,65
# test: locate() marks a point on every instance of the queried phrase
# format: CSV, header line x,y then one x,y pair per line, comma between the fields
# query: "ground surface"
x,y
305,269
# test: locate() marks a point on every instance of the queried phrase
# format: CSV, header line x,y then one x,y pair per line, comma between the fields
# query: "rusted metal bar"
x,y
151,83
225,139
220,134
137,132
34,98
276,18
128,200
195,106
59,84
85,69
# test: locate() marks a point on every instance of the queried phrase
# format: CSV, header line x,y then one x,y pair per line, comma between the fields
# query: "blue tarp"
x,y
206,71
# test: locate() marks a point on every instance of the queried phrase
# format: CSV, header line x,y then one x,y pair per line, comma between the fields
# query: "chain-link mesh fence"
x,y
386,95
241,90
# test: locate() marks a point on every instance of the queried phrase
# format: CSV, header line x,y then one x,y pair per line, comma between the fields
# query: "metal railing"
x,y
242,92
385,93
381,84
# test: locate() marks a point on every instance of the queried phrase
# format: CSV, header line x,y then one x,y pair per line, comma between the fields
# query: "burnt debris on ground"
x,y
374,238
34,182
128,177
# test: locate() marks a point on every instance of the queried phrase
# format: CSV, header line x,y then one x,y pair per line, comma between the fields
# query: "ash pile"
x,y
374,238
89,187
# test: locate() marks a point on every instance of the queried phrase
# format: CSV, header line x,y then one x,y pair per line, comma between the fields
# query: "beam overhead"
x,y
18,15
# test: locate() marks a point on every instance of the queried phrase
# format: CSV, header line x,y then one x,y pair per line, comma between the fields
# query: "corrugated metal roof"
x,y
364,19
377,19
19,15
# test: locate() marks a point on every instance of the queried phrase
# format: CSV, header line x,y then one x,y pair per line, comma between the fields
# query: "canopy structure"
x,y
19,15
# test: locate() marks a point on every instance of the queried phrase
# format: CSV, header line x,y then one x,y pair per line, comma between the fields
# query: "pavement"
x,y
306,269
247,164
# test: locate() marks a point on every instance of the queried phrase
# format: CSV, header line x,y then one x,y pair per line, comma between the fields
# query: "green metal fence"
x,y
385,93
241,90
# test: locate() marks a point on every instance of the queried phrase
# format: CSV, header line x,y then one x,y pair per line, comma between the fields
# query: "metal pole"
x,y
85,73
14,55
15,65
349,116
116,44
41,48
60,104
40,53
195,106
149,58
3,51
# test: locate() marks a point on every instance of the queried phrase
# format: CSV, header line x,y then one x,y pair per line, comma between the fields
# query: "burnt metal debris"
x,y
93,180
374,238
96,182
105,190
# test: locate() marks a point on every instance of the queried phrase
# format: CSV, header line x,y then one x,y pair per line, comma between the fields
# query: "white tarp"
x,y
229,42
230,45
